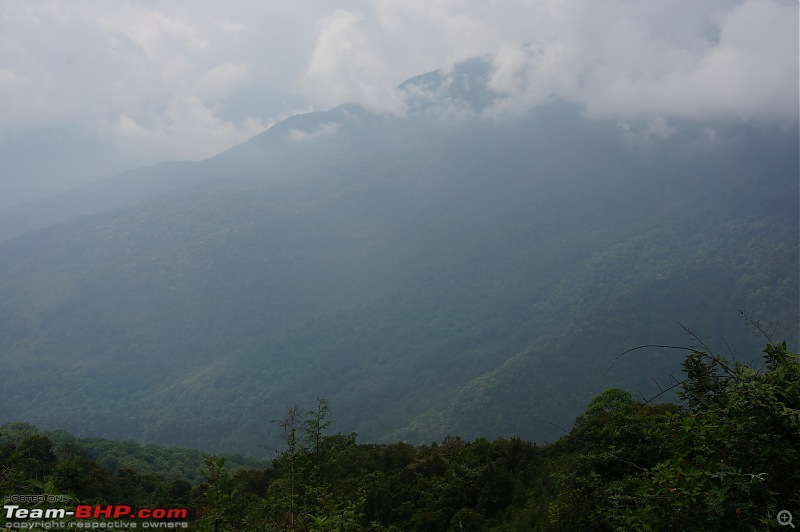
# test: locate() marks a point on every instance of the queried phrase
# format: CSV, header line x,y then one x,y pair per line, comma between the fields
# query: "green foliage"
x,y
610,400
313,426
218,513
724,459
173,463
732,452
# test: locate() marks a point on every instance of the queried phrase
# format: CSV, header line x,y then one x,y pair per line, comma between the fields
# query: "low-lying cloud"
x,y
325,129
706,61
154,81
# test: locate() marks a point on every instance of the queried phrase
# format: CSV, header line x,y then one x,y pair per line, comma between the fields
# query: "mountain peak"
x,y
466,85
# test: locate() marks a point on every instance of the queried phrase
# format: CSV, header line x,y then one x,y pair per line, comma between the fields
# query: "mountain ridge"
x,y
425,276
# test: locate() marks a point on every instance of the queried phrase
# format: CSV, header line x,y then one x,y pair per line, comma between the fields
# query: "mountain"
x,y
429,92
438,273
126,189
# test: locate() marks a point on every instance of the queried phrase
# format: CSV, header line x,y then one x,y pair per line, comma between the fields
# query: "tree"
x,y
218,514
611,400
315,423
290,423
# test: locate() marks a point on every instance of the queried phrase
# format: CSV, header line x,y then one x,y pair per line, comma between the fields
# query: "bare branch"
x,y
681,383
552,424
696,338
648,346
748,317
656,383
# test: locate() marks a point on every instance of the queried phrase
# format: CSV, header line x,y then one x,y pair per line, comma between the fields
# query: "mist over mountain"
x,y
441,272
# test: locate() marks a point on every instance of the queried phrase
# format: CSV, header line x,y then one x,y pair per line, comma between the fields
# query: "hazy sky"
x,y
92,87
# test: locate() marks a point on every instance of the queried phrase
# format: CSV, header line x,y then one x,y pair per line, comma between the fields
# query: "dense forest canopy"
x,y
723,459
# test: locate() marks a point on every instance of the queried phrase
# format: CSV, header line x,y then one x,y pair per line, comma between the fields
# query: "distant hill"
x,y
429,275
126,189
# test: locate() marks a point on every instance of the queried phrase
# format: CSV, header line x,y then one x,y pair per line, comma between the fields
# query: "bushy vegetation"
x,y
725,458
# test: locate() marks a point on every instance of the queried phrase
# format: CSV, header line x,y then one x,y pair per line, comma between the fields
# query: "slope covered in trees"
x,y
723,459
428,276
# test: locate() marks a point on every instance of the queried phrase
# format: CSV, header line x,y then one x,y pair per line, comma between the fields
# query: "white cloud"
x,y
220,80
94,62
345,66
653,130
749,73
190,129
177,79
532,74
325,129
147,81
717,60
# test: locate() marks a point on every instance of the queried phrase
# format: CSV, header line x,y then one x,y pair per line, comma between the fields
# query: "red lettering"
x,y
117,511
99,511
121,510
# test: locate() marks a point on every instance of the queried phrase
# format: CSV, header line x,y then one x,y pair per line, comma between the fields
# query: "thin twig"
x,y
553,424
758,327
646,347
681,383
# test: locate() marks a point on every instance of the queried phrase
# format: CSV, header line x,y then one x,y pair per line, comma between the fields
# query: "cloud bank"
x,y
706,61
137,82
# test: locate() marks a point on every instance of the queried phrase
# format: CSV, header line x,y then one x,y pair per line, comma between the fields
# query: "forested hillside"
x,y
428,275
724,459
